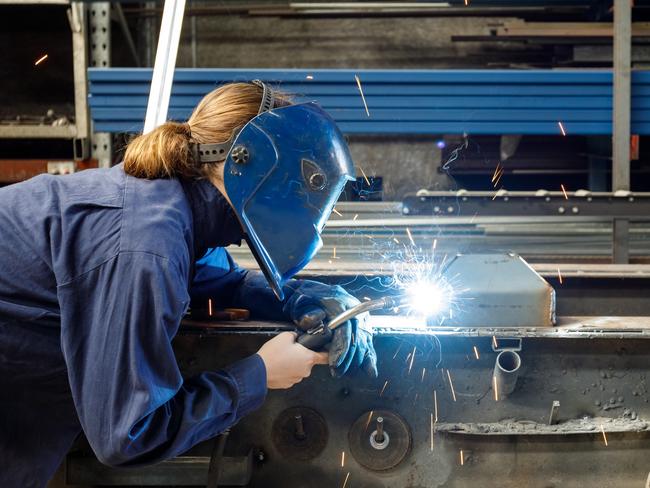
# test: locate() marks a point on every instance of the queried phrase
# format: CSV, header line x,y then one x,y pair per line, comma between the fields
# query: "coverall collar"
x,y
214,221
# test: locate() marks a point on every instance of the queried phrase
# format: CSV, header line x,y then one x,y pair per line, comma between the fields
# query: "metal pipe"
x,y
506,372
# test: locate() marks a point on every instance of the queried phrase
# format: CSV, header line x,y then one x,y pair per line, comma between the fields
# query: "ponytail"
x,y
165,152
162,153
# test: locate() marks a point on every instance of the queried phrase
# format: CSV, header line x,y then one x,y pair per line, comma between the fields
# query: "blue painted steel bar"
x,y
400,101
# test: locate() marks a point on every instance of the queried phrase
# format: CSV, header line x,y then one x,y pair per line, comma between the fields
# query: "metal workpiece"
x,y
506,372
586,328
597,381
498,290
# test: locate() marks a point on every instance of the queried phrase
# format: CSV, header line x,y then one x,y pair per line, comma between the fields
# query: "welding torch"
x,y
321,334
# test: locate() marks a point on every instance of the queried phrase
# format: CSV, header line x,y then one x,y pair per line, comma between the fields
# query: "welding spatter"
x,y
320,335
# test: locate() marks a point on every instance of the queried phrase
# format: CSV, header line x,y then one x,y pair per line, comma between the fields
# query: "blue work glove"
x,y
351,346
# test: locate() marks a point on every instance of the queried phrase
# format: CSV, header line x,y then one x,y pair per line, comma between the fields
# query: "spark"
x,y
397,351
309,77
435,404
342,458
496,194
395,239
451,384
494,342
337,212
473,217
476,353
356,216
462,456
412,358
559,275
40,60
561,128
383,389
408,231
364,175
432,428
466,3
210,307
496,388
346,480
496,172
424,371
435,243
369,418
566,197
334,253
408,356
368,236
362,97
496,182
602,429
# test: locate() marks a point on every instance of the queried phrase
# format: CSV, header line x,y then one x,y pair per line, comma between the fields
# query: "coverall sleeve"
x,y
218,277
118,321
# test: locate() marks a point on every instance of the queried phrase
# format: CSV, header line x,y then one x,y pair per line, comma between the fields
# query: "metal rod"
x,y
622,99
379,436
300,428
506,372
163,71
555,409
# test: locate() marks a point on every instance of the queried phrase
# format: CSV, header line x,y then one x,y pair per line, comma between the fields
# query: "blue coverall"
x,y
96,271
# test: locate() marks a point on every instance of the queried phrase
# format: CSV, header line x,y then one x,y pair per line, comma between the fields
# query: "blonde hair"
x,y
165,152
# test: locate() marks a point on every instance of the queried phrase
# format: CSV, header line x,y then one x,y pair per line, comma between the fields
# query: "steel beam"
x,y
622,98
100,56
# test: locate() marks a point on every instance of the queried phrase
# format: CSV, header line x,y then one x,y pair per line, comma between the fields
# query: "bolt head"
x,y
240,155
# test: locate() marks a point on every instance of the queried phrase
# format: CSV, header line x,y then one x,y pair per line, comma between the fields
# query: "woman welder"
x,y
98,268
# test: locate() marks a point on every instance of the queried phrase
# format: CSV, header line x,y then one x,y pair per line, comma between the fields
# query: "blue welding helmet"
x,y
284,171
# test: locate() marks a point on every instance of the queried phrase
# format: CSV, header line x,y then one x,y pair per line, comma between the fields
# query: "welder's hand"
x,y
287,362
351,346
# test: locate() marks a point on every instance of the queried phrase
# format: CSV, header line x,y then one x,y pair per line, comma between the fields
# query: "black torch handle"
x,y
316,338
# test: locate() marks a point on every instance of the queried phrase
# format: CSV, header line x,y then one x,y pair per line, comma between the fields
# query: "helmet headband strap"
x,y
218,151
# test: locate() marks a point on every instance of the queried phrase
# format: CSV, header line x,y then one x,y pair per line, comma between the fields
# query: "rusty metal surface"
x,y
598,379
392,325
587,425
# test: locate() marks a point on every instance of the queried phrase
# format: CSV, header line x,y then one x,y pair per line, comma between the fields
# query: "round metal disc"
x,y
380,459
286,437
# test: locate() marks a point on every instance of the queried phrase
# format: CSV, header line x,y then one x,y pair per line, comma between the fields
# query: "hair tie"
x,y
188,129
